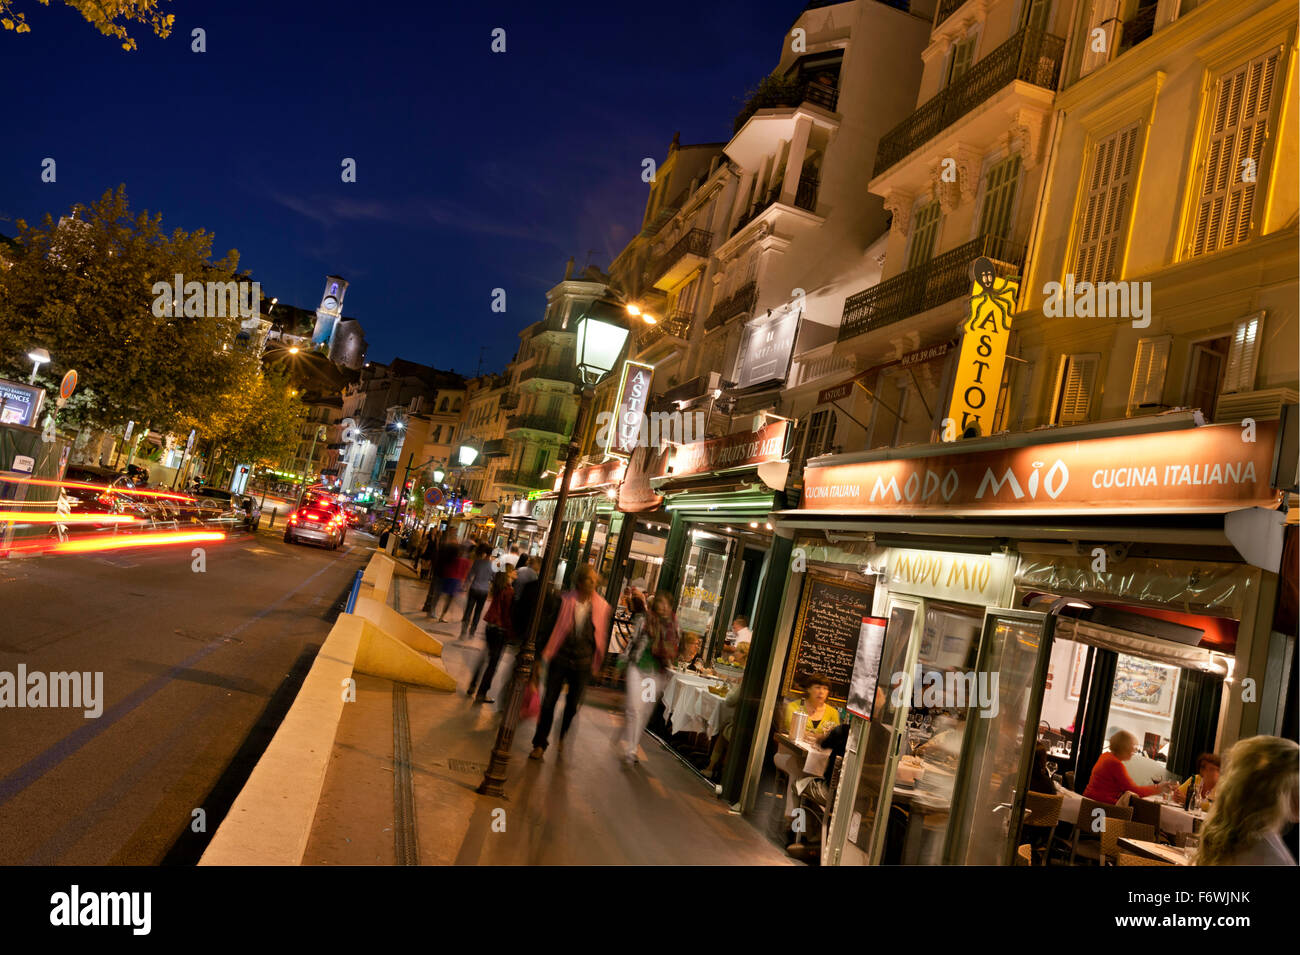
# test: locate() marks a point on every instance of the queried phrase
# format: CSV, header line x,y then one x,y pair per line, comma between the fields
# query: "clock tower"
x,y
330,310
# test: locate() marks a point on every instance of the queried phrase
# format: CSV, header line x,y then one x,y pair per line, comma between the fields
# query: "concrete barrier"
x,y
377,581
393,623
383,655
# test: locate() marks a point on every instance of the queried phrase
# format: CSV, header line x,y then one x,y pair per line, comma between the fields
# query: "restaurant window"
x,y
819,435
1075,382
1238,127
1105,212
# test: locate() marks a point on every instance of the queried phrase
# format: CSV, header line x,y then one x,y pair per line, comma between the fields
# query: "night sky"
x,y
475,170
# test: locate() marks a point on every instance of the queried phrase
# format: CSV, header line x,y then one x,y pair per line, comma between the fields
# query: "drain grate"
x,y
466,767
405,840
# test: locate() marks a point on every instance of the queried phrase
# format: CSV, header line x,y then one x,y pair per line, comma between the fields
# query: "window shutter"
x,y
999,192
1243,354
1106,207
1149,370
924,230
1077,377
962,55
1238,129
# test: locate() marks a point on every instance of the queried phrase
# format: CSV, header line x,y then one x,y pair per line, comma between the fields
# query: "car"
x,y
222,508
317,522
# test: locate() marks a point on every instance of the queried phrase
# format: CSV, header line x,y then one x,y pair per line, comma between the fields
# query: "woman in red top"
x,y
499,632
1110,780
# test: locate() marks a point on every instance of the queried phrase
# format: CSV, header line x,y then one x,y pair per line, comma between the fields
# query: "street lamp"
x,y
39,356
601,334
438,475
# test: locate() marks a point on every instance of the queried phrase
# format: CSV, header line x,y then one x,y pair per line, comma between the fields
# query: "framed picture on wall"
x,y
1078,663
1142,686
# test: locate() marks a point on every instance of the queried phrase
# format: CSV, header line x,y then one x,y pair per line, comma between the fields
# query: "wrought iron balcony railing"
x,y
741,301
1030,56
529,480
942,279
558,371
676,325
947,8
1138,28
695,242
496,448
550,424
777,94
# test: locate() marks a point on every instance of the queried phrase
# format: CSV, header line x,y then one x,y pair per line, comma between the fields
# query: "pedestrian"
x,y
274,511
425,563
478,585
650,653
500,631
1257,799
526,574
447,568
573,654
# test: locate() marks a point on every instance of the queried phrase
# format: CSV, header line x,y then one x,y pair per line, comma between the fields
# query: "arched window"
x,y
443,406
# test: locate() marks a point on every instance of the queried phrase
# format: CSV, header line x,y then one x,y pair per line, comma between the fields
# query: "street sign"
x,y
68,385
433,496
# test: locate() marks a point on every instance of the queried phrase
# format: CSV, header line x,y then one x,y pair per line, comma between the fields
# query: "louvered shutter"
x,y
1106,207
1077,377
924,230
1147,390
999,192
962,55
1238,129
1243,355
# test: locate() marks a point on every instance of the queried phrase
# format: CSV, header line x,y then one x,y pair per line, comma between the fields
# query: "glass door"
x,y
704,580
998,749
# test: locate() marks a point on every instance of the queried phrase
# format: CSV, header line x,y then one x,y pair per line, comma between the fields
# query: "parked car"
x,y
318,522
221,508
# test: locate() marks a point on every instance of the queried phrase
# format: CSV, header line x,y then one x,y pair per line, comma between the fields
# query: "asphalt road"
x,y
198,669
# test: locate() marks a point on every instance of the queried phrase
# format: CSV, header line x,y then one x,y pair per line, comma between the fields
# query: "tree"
x,y
83,290
107,16
256,422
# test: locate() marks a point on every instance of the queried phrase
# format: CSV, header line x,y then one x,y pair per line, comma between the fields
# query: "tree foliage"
x,y
83,290
257,422
109,17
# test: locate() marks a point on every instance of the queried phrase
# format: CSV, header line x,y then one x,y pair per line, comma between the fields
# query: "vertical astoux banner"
x,y
983,349
633,394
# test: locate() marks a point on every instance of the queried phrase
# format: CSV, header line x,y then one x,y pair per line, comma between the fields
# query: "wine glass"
x,y
1051,767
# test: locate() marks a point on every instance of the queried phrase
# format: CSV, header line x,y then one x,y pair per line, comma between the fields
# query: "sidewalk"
x,y
582,806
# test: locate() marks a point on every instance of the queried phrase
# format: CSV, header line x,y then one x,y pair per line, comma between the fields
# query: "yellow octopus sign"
x,y
983,350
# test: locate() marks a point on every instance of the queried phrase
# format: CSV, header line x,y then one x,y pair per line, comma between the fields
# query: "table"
x,y
1154,850
689,707
1070,806
1175,819
814,758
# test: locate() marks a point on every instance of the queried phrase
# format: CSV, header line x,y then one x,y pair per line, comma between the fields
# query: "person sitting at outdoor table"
x,y
1110,780
822,718
1203,781
689,653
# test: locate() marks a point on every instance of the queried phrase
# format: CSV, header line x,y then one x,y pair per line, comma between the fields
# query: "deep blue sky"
x,y
475,170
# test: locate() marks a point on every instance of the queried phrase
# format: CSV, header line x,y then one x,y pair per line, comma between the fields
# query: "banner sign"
x,y
746,449
766,346
20,404
1213,468
918,357
611,472
633,393
983,349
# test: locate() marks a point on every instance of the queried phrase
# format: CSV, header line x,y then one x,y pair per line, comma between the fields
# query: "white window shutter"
x,y
1243,354
1105,212
1147,390
1080,377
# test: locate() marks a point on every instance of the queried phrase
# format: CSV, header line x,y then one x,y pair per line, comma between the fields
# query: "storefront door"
x,y
989,794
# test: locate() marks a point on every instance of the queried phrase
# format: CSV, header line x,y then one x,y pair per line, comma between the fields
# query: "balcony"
x,y
1138,28
739,303
524,480
942,279
665,212
510,401
547,424
805,197
559,371
497,448
947,8
689,253
1030,56
774,93
677,325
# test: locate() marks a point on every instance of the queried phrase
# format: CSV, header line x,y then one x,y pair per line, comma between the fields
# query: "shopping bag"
x,y
532,704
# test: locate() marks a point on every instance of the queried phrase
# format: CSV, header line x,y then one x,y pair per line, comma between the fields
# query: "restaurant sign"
x,y
766,346
983,349
746,449
633,393
611,472
575,509
1216,467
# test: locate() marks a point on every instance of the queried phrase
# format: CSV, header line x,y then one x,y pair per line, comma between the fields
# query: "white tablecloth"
x,y
1174,818
1070,807
689,707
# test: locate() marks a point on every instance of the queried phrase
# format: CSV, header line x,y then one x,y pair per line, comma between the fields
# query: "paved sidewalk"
x,y
580,806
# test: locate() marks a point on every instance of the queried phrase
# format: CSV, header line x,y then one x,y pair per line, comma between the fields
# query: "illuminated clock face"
x,y
329,303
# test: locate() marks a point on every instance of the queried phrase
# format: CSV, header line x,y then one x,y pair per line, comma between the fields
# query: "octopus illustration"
x,y
991,296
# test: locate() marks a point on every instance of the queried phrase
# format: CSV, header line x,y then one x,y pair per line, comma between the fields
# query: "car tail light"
x,y
293,518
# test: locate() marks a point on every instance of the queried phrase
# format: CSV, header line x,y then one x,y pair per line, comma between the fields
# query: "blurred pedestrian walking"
x,y
651,651
499,630
1256,800
478,585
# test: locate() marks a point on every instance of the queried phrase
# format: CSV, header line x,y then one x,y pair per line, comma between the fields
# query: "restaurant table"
x,y
1070,805
1154,850
689,707
1176,819
814,757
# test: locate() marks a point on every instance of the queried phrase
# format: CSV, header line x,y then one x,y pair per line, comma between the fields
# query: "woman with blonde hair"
x,y
1257,797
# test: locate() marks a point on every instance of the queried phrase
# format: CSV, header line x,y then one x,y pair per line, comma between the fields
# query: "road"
x,y
198,669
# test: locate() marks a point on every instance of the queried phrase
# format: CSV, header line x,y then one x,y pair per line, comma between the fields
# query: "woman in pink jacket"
x,y
573,654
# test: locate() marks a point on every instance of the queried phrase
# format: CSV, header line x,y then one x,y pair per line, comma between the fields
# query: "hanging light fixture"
x,y
601,334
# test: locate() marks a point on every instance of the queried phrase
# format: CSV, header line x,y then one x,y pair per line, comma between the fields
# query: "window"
x,y
1074,386
924,232
1147,391
820,434
1243,354
1037,14
963,54
443,405
1238,128
999,196
1104,220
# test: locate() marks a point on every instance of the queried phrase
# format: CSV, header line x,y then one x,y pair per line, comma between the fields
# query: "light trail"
x,y
93,544
140,492
30,517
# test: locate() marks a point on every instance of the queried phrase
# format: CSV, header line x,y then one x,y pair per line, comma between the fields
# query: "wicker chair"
x,y
1025,855
1044,812
1113,829
1128,858
1146,812
1085,842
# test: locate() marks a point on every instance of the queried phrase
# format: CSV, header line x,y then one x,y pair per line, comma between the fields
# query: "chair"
x,y
1113,829
1044,812
1146,812
1069,780
1025,855
1085,842
1128,858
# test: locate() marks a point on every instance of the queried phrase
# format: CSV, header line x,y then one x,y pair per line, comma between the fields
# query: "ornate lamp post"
x,y
601,334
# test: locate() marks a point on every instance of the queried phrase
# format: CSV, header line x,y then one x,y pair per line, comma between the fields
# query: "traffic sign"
x,y
68,385
433,496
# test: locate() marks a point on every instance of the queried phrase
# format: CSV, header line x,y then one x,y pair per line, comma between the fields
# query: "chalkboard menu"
x,y
826,634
